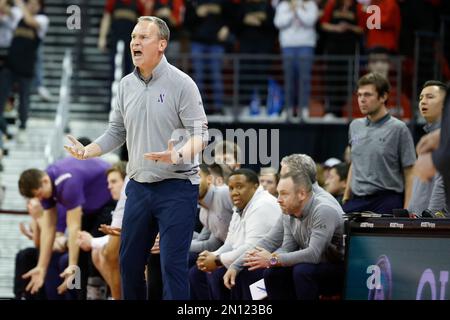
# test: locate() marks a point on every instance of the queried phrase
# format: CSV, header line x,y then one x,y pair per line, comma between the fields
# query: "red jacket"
x,y
390,23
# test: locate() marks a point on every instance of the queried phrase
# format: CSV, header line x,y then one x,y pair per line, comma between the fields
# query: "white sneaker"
x,y
305,113
329,117
21,136
45,94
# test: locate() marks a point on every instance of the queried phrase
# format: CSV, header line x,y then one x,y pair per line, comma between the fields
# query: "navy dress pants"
x,y
167,207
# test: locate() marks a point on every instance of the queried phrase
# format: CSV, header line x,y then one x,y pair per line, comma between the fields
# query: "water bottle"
x,y
255,104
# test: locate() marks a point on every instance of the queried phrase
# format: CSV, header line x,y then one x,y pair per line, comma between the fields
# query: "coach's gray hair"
x,y
300,179
164,32
301,163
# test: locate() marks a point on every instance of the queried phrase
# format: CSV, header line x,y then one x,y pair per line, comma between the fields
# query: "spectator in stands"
x,y
327,165
268,179
388,32
119,18
216,210
172,12
398,103
337,181
27,258
416,16
343,22
429,195
117,23
421,23
380,61
163,190
320,46
38,82
21,59
256,34
208,24
382,152
310,260
228,153
296,21
434,153
80,188
256,211
105,249
8,23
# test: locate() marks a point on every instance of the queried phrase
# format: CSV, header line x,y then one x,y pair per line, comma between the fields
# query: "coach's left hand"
x,y
168,156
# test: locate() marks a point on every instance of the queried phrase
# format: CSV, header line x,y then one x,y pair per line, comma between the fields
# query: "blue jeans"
x,y
39,68
211,56
167,207
7,81
297,64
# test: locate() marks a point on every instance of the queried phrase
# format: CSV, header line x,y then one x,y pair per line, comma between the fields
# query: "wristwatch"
x,y
273,261
179,157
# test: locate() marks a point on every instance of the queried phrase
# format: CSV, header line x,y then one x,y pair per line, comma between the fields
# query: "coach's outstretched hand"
x,y
167,156
77,150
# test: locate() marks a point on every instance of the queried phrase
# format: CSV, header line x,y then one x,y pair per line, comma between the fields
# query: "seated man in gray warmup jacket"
x,y
216,210
295,164
310,260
